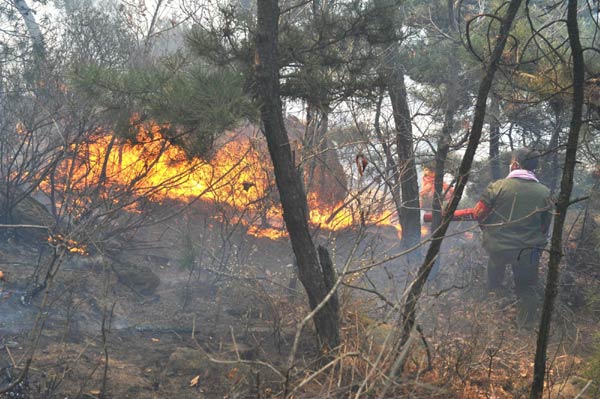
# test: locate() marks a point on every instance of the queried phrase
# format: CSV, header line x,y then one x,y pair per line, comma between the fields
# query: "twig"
x,y
38,325
330,294
322,369
251,362
573,201
235,346
584,389
428,351
398,364
12,359
194,327
23,226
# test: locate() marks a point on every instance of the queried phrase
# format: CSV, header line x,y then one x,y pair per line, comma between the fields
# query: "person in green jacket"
x,y
515,214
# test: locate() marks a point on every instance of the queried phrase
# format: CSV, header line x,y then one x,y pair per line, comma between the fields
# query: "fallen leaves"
x,y
232,373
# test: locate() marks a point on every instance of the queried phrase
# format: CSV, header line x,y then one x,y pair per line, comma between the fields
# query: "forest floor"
x,y
220,320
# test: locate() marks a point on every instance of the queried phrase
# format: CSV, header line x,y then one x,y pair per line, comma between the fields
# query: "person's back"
x,y
519,215
514,215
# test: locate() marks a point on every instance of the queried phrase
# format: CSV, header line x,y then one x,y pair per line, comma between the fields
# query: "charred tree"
x,y
563,202
288,179
408,317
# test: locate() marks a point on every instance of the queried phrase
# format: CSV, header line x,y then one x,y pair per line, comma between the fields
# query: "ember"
x,y
71,246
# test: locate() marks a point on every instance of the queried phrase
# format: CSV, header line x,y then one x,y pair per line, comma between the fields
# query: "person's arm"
x,y
483,208
481,211
546,217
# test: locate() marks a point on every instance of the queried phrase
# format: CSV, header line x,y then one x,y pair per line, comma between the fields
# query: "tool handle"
x,y
460,215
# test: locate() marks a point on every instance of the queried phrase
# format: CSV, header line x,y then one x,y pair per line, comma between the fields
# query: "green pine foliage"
x,y
194,103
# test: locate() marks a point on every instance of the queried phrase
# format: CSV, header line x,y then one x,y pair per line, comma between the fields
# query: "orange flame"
x,y
238,178
70,245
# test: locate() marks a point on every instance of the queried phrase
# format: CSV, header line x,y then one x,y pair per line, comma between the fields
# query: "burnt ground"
x,y
193,297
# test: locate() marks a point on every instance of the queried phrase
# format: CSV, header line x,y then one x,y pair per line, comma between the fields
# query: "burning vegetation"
x,y
299,200
237,178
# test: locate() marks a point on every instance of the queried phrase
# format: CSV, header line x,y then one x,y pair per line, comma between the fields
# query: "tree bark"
x,y
409,213
35,33
392,173
408,317
314,145
551,167
562,204
496,173
391,72
288,180
445,136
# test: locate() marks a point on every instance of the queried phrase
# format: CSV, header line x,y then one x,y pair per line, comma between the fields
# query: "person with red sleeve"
x,y
515,214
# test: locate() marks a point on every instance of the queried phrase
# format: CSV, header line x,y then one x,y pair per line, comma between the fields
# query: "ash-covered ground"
x,y
193,307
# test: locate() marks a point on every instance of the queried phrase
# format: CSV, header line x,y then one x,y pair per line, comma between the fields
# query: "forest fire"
x,y
236,178
70,245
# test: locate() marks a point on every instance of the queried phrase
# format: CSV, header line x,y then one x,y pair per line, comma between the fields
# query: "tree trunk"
x,y
408,318
391,72
562,204
392,173
551,167
496,173
314,145
289,181
35,33
445,137
36,75
409,213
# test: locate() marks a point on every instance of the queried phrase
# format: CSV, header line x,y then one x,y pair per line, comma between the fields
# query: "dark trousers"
x,y
524,263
